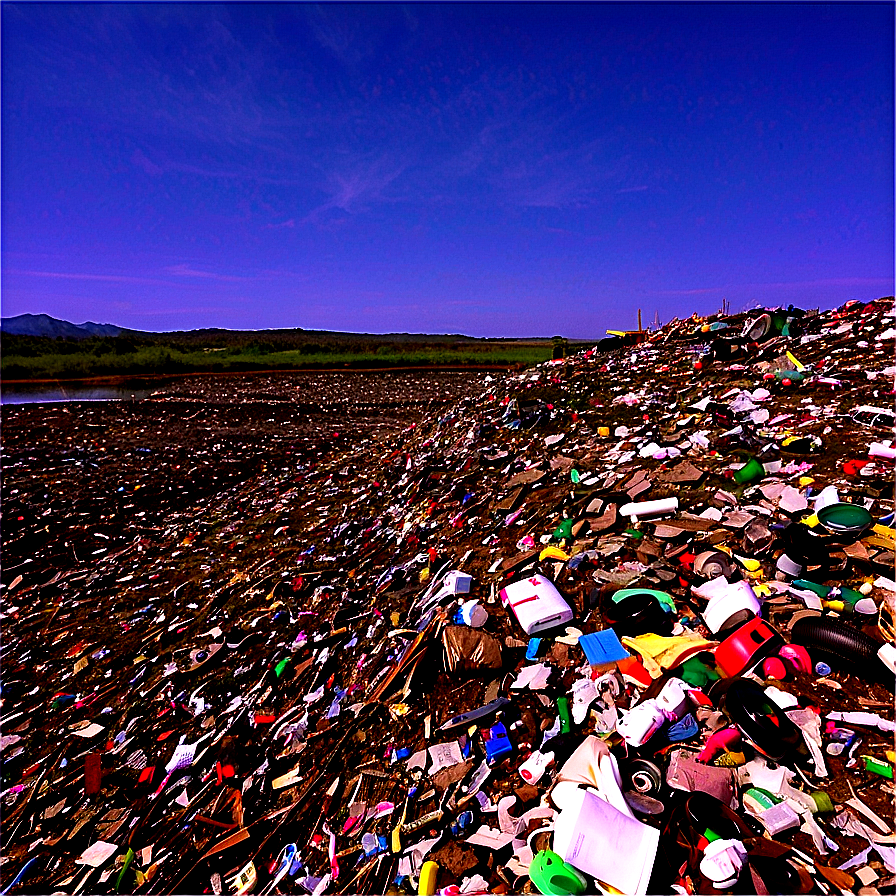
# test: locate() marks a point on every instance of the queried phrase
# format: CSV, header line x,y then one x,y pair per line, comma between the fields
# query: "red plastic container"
x,y
745,647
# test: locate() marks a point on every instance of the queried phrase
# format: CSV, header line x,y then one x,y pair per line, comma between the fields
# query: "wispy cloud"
x,y
565,188
162,164
687,292
344,36
828,283
175,311
140,160
355,186
183,270
525,154
186,270
100,278
573,178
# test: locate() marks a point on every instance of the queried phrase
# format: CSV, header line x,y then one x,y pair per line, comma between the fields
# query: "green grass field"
x,y
26,358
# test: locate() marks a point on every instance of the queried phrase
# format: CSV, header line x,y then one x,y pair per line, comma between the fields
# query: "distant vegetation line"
x,y
35,357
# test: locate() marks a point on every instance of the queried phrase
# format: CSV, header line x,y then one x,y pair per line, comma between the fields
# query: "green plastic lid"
x,y
554,877
666,600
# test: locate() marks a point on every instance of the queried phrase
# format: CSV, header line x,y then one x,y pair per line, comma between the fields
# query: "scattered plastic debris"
x,y
618,621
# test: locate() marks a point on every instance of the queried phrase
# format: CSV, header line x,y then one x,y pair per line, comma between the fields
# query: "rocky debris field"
x,y
617,623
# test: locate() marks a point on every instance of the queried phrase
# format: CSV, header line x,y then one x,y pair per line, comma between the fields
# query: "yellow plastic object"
x,y
658,653
607,890
886,621
603,431
398,710
811,521
806,480
553,554
396,831
428,874
887,532
793,360
748,563
244,880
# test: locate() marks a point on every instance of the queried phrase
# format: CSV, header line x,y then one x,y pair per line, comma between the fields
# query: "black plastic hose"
x,y
838,640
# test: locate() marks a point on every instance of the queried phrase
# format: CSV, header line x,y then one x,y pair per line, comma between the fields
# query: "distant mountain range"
x,y
44,325
41,347
47,327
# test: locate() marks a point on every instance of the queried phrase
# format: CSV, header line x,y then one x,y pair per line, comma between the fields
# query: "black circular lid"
x,y
760,720
804,546
637,614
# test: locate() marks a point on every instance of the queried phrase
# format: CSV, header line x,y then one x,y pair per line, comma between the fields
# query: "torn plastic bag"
x,y
686,773
470,650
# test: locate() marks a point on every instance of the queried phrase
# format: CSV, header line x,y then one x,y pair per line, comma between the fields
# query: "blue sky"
x,y
504,170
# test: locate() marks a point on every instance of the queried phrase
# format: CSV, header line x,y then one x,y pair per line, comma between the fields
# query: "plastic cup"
x,y
751,470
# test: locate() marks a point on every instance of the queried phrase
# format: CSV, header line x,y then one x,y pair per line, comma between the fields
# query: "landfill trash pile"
x,y
623,622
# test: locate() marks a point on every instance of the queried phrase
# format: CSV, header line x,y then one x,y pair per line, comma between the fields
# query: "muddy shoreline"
x,y
122,380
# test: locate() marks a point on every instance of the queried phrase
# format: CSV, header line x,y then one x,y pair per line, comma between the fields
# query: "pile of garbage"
x,y
620,623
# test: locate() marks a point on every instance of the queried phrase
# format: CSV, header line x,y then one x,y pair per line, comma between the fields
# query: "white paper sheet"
x,y
598,839
444,756
97,854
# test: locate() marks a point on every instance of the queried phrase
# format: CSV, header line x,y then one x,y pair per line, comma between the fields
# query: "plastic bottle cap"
x,y
822,668
822,801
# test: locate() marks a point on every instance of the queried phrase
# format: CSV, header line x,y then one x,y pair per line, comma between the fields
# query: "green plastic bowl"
x,y
846,519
